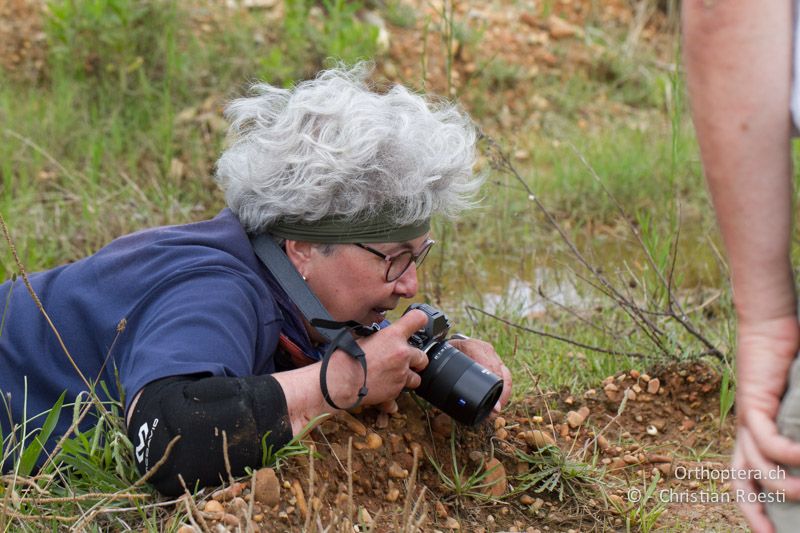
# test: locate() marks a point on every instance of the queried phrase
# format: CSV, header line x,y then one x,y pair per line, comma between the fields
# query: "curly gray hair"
x,y
332,147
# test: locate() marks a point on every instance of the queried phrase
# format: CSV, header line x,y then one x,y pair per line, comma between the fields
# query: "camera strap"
x,y
338,334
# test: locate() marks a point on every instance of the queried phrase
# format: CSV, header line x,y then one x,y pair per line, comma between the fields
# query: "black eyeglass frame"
x,y
389,258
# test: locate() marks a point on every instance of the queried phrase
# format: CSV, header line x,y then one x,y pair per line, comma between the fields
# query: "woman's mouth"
x,y
380,313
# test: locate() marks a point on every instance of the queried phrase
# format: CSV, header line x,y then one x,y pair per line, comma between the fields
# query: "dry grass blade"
x,y
39,306
9,513
350,480
192,511
150,473
311,481
553,336
227,459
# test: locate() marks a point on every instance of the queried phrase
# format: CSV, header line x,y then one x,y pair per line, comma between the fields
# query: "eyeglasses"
x,y
398,263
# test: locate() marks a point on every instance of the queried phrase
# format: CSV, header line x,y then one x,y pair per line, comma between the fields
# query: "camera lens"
x,y
458,385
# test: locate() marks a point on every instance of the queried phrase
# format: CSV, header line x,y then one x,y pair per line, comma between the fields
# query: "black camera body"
x,y
453,382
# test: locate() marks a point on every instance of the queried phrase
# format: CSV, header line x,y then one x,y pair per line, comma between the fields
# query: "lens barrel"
x,y
457,385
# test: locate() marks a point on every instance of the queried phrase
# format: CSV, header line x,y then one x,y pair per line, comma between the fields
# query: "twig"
x,y
574,313
89,496
556,337
680,315
30,482
34,517
409,493
38,302
188,501
150,473
251,503
190,513
350,480
227,459
42,151
630,309
307,522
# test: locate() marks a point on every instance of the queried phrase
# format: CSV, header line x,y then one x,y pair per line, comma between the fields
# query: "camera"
x,y
453,382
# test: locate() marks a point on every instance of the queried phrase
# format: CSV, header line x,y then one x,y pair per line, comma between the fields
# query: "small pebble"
x,y
364,516
442,425
267,487
352,423
396,471
231,520
374,441
496,480
213,506
383,421
441,510
538,438
451,523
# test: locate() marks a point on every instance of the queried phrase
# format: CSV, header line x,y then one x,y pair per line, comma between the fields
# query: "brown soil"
x,y
668,421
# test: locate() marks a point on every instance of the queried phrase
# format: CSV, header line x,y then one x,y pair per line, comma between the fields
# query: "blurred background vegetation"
x,y
111,121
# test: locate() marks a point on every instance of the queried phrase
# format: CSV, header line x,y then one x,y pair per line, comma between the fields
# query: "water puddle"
x,y
532,299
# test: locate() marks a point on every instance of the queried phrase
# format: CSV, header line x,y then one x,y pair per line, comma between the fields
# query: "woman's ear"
x,y
300,253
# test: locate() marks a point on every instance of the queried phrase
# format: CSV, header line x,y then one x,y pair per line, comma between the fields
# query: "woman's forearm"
x,y
738,63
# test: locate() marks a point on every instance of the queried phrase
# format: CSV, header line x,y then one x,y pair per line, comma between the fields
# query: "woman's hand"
x,y
483,353
392,365
765,353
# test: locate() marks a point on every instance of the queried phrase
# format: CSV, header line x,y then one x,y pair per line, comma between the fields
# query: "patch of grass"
x,y
551,470
312,35
400,14
460,481
646,507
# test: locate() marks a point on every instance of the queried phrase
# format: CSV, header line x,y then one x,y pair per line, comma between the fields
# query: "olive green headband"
x,y
338,230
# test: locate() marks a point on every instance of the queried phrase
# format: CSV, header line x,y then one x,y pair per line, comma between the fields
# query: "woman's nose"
x,y
406,285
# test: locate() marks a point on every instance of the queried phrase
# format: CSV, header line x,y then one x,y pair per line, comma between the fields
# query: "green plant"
x,y
462,483
727,395
293,448
551,470
311,36
399,13
119,45
646,509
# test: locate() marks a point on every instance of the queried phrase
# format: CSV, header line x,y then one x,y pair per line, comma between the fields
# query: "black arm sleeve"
x,y
199,409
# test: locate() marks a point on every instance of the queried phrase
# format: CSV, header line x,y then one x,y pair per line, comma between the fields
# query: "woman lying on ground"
x,y
346,180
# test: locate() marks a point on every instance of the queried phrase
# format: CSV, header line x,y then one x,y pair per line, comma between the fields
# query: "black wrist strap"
x,y
337,333
344,341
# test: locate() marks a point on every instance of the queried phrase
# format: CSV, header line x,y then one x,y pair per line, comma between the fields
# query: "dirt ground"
x,y
598,453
